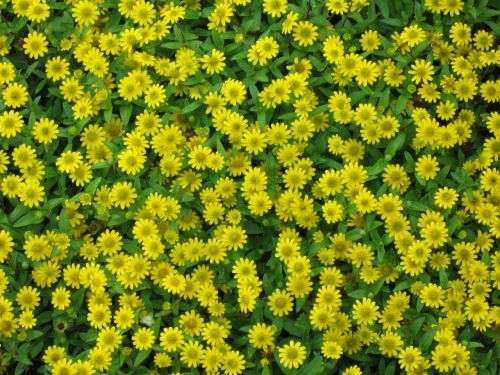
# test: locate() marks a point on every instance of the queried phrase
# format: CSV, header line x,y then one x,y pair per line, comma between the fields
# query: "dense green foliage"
x,y
249,187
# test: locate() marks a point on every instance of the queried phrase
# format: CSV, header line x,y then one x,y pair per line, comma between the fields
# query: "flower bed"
x,y
249,187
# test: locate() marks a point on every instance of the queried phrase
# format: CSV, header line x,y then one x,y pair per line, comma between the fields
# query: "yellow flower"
x,y
28,298
35,45
275,8
280,302
15,95
432,295
85,12
45,131
11,123
143,338
365,311
31,193
234,91
370,40
123,194
292,355
421,71
305,33
61,298
445,197
99,358
213,63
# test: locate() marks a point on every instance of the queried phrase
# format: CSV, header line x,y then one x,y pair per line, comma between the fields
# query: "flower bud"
x,y
147,319
22,336
72,130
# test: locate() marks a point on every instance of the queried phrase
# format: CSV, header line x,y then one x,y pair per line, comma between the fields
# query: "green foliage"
x,y
249,186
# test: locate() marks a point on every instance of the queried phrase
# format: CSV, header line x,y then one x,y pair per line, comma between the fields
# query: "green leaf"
x,y
416,325
443,278
191,107
93,185
417,51
474,344
401,103
268,283
172,45
253,228
376,169
494,26
425,340
392,21
117,219
64,225
375,288
29,219
271,172
416,206
313,367
390,369
360,293
406,284
17,212
383,102
384,8
395,145
141,356
22,355
77,299
32,335
260,76
126,112
31,68
35,348
355,234
293,328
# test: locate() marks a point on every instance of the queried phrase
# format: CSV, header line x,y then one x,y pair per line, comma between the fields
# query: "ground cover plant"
x,y
249,187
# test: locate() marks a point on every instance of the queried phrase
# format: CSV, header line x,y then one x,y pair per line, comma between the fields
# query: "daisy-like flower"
x,y
292,355
15,95
275,8
234,91
11,123
305,33
143,338
213,63
85,12
35,45
422,71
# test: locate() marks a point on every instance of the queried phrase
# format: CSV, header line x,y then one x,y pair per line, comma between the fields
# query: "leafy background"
x,y
23,352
